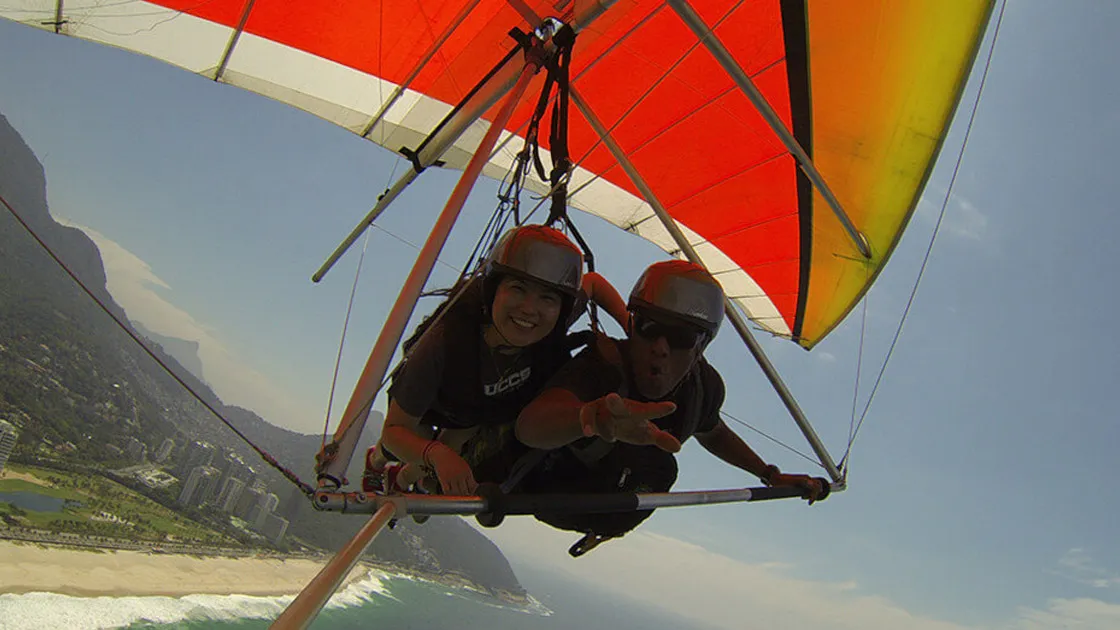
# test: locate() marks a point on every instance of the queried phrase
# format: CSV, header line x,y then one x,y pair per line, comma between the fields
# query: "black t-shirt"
x,y
699,396
416,386
453,379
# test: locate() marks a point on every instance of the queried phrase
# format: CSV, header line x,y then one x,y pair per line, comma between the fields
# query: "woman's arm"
x,y
399,436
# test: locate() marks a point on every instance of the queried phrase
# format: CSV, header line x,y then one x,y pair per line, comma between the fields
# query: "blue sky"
x,y
982,491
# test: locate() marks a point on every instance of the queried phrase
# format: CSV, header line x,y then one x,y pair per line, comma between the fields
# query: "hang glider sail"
x,y
867,89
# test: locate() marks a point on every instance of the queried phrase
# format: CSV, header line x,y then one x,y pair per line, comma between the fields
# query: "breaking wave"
x,y
34,611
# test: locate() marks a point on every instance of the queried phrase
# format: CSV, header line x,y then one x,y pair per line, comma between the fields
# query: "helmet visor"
x,y
683,297
548,263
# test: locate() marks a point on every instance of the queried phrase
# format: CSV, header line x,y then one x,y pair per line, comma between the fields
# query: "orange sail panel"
x,y
868,89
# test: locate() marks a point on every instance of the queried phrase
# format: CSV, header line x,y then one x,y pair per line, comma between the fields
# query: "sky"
x,y
982,491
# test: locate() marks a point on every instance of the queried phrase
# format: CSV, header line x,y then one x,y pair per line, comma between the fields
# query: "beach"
x,y
31,567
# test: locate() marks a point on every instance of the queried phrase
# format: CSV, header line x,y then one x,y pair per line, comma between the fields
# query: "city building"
x,y
8,437
164,450
201,486
197,453
229,494
273,527
136,449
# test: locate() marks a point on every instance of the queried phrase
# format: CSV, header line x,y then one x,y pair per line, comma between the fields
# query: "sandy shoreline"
x,y
30,567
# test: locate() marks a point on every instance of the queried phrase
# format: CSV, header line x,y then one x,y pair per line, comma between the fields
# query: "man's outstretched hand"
x,y
615,418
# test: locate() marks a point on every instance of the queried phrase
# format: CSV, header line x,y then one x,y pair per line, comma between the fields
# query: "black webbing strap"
x,y
558,135
558,69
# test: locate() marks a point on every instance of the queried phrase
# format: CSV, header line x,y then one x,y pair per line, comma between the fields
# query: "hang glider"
x,y
783,144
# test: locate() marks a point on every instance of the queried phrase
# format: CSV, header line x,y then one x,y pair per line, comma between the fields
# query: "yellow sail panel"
x,y
885,80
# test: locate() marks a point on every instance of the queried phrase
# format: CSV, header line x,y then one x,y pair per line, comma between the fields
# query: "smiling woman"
x,y
477,361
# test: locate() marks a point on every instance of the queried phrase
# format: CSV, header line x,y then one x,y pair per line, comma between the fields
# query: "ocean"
x,y
378,601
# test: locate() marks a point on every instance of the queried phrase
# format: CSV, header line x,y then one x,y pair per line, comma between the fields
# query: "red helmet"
x,y
538,253
680,290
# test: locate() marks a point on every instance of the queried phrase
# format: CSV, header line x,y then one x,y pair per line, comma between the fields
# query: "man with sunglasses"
x,y
615,414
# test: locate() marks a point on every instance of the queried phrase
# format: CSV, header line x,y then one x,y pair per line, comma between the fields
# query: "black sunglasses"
x,y
678,337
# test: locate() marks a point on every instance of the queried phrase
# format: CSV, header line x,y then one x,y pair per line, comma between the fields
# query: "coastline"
x,y
37,567
84,565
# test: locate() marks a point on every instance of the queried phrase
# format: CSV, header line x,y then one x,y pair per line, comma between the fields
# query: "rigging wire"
x,y
936,229
342,339
269,459
771,438
859,371
346,320
404,240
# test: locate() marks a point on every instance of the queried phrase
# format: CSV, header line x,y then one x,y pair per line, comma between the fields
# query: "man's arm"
x,y
551,420
728,446
558,417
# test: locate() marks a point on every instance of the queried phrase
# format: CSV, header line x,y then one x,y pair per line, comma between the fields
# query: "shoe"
x,y
373,481
373,477
382,481
389,481
587,543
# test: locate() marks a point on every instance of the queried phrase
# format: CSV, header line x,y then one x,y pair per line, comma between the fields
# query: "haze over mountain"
x,y
184,351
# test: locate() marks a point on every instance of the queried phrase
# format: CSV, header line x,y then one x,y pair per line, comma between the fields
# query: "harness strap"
x,y
523,466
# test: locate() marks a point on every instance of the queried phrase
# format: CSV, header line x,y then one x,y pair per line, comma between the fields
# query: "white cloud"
x,y
1082,613
928,208
722,592
134,286
1076,564
962,218
966,221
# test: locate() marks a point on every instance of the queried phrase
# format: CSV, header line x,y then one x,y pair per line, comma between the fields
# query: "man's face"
x,y
661,353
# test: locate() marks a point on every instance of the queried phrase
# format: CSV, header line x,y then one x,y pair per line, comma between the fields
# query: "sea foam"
x,y
35,611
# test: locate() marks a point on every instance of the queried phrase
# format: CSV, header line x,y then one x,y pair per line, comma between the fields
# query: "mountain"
x,y
183,350
70,375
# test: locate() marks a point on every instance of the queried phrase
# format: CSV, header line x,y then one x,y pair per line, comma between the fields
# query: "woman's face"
x,y
524,312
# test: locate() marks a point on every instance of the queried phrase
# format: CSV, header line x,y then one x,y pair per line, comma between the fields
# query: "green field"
x,y
99,507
